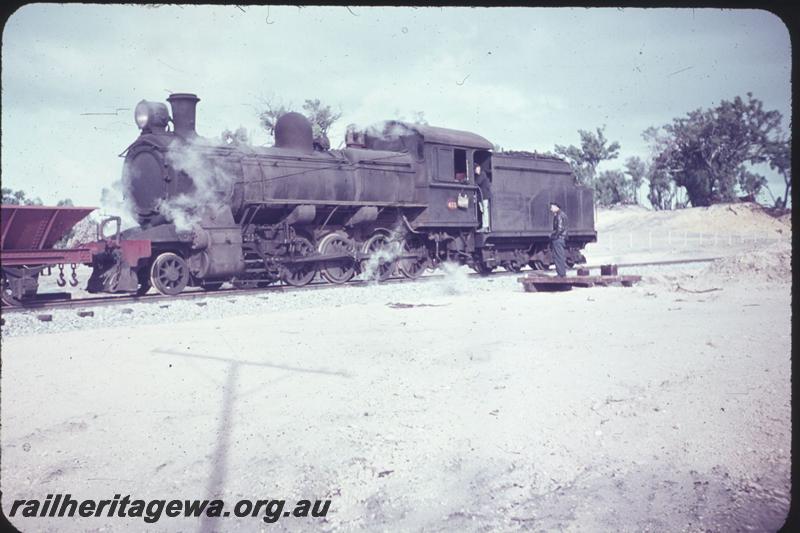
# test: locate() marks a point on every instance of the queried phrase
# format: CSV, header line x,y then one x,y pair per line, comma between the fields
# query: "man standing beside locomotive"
x,y
485,185
558,239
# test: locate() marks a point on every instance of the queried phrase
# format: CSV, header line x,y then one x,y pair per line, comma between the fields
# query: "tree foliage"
x,y
321,116
240,136
637,170
418,117
11,197
710,152
593,149
661,192
779,155
269,117
612,187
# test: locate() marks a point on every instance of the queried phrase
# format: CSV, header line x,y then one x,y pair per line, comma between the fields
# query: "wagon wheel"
x,y
169,273
8,295
299,274
413,268
339,270
382,257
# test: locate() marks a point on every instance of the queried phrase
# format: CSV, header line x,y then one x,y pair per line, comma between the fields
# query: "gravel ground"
x,y
456,280
459,403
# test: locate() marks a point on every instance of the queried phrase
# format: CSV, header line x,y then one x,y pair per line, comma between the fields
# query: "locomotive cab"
x,y
446,184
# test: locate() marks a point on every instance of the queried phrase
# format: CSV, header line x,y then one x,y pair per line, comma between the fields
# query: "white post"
x,y
650,240
669,238
630,240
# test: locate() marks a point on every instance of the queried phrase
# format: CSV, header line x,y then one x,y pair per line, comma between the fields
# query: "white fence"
x,y
681,240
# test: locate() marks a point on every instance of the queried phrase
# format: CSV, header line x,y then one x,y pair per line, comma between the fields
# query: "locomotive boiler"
x,y
399,198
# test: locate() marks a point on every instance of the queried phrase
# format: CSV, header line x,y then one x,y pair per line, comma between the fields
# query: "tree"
x,y
418,117
637,170
779,155
11,197
239,136
709,151
750,183
661,193
594,148
269,117
321,116
611,187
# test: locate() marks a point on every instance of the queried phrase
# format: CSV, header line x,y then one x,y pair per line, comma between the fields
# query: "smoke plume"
x,y
455,279
210,190
385,255
114,201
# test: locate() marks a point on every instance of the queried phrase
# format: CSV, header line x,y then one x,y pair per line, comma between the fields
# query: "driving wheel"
x,y
299,274
341,269
382,257
413,267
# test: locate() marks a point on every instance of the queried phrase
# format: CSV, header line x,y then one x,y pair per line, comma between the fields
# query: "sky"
x,y
524,78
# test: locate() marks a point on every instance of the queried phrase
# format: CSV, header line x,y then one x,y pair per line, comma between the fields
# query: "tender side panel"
x,y
523,189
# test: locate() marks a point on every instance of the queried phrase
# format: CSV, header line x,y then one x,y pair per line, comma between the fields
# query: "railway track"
x,y
53,304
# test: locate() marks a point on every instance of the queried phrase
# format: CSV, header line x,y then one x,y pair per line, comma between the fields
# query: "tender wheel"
x,y
482,268
169,273
413,268
340,270
382,257
299,274
537,265
512,266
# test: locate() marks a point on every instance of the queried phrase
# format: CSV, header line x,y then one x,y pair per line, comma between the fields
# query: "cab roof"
x,y
434,134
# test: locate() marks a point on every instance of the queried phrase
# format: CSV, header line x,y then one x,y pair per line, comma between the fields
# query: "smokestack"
x,y
184,111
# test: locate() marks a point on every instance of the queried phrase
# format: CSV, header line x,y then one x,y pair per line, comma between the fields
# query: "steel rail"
x,y
45,305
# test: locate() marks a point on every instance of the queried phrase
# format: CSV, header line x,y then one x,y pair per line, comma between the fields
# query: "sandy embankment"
x,y
633,233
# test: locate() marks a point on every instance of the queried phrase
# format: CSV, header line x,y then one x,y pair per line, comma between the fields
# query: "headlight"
x,y
151,116
142,114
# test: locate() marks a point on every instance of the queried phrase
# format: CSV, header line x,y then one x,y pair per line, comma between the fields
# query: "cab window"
x,y
451,165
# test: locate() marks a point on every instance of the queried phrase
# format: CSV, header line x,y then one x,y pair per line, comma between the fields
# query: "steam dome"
x,y
293,130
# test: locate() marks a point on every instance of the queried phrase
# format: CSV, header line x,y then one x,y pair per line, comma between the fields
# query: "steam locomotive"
x,y
399,198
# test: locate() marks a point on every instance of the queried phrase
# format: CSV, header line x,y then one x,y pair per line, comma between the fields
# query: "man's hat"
x,y
555,204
